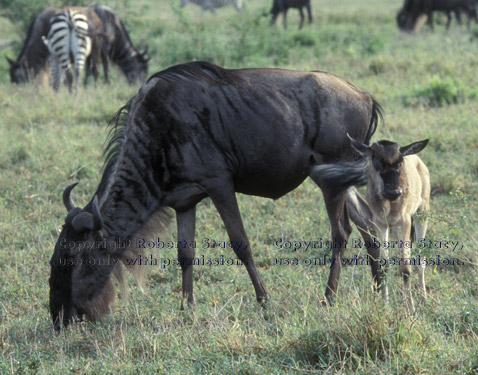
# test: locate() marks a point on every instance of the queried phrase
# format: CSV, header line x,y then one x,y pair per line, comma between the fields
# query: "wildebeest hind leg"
x,y
341,229
362,216
186,222
224,198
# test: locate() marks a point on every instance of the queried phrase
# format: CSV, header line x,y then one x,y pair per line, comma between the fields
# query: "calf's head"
x,y
386,163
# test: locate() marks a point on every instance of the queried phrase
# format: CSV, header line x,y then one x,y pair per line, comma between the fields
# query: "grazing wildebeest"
x,y
68,39
112,41
282,6
33,58
211,5
197,130
398,187
119,48
413,10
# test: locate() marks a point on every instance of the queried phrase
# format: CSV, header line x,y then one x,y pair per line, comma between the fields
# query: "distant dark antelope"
x,y
282,6
197,130
398,187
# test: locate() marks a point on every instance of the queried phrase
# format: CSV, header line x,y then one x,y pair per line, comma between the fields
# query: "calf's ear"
x,y
413,148
358,146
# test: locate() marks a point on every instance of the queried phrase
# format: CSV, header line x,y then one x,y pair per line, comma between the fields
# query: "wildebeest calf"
x,y
282,6
398,187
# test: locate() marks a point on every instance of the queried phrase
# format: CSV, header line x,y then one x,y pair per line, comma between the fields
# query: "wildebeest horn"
x,y
145,51
85,221
66,197
97,219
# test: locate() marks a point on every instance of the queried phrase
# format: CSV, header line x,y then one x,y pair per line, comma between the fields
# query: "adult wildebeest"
x,y
112,42
413,10
211,5
197,130
398,187
119,48
282,6
33,58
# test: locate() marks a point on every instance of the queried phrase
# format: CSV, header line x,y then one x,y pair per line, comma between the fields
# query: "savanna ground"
x,y
427,84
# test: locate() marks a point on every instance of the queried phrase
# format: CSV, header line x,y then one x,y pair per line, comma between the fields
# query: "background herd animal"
x,y
413,10
68,36
282,6
110,41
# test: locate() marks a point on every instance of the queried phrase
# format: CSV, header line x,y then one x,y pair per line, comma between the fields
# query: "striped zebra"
x,y
68,39
211,5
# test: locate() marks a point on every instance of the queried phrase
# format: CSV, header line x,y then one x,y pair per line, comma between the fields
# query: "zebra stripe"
x,y
67,39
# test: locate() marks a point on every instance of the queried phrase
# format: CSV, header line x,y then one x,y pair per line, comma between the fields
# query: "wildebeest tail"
x,y
377,113
341,175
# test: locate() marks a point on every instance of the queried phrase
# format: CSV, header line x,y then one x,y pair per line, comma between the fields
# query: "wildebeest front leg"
x,y
284,20
186,222
309,12
420,231
403,232
224,198
301,18
362,216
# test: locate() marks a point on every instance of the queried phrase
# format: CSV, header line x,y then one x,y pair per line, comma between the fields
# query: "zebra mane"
x,y
198,70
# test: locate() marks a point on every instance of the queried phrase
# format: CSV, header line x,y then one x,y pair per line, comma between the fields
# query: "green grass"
x,y
427,86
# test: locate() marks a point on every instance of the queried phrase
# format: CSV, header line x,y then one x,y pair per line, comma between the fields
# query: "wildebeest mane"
x,y
114,142
29,35
199,70
40,58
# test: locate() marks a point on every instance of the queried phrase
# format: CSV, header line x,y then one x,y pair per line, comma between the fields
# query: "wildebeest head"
x,y
386,164
141,71
18,73
78,287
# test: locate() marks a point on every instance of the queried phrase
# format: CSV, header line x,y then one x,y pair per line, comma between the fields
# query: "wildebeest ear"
x,y
10,61
86,221
413,148
358,146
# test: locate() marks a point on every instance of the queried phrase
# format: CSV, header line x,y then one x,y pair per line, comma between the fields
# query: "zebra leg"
x,y
69,79
55,73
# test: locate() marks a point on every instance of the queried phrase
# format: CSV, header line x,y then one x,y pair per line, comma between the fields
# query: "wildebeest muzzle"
x,y
391,184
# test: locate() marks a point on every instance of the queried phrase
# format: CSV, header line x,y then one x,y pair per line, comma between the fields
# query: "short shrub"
x,y
436,93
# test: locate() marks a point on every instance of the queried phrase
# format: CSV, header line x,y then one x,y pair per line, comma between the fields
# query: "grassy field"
x,y
428,86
